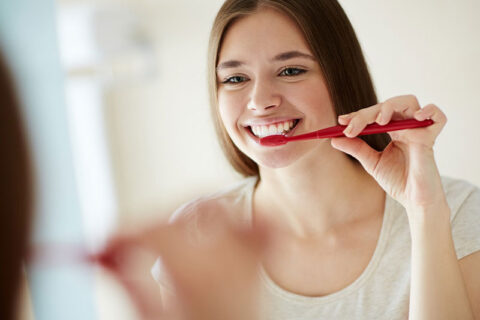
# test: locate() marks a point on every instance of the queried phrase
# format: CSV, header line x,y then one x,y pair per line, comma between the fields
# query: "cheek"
x,y
229,110
227,116
315,101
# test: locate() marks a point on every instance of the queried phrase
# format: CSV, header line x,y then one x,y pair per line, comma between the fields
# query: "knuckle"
x,y
356,120
412,98
409,99
386,106
433,108
443,117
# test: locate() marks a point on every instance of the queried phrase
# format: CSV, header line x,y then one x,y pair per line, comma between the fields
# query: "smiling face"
x,y
270,83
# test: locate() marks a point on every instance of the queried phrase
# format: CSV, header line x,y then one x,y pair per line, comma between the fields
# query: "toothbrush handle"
x,y
396,125
337,131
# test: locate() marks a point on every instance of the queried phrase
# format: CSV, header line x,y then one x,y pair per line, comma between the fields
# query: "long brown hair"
x,y
334,44
15,196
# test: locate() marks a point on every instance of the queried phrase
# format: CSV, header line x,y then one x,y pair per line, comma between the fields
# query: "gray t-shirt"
x,y
380,292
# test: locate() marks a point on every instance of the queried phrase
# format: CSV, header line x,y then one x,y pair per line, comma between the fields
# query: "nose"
x,y
263,97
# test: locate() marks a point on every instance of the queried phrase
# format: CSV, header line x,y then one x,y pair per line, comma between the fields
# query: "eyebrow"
x,y
292,54
279,57
229,64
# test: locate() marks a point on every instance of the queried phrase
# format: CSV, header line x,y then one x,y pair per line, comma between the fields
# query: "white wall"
x,y
163,144
164,148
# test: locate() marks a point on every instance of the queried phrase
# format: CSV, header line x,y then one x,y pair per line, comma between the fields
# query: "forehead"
x,y
262,34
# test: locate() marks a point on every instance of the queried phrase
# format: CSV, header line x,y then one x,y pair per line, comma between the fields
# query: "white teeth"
x,y
273,129
264,131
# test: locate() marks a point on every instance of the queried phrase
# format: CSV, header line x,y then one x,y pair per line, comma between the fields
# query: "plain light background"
x,y
164,150
142,138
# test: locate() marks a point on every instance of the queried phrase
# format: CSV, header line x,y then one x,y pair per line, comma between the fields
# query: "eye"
x,y
234,80
291,72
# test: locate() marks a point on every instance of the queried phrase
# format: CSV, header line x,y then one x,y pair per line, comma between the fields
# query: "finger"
x,y
400,107
360,120
397,108
385,114
358,149
344,119
434,113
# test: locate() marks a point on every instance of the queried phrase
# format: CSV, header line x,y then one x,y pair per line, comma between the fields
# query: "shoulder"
x,y
232,202
461,195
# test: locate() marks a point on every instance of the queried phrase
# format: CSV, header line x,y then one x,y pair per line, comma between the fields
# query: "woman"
x,y
358,228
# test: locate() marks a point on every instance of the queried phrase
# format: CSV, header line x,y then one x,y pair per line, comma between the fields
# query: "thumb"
x,y
359,149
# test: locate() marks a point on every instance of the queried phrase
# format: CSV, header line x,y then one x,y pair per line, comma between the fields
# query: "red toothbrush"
x,y
337,131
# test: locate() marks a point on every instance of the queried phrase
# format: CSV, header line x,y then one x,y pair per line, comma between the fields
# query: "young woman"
x,y
359,228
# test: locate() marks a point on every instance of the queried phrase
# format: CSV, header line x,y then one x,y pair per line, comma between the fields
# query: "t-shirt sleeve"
x,y
466,225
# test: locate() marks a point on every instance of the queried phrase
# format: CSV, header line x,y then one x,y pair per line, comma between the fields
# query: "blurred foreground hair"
x,y
15,196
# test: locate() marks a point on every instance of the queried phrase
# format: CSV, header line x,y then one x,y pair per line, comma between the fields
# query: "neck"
x,y
316,194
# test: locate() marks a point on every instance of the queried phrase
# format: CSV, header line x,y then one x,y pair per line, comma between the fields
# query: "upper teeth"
x,y
272,129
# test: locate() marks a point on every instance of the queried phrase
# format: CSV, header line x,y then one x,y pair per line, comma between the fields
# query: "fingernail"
x,y
379,118
419,113
348,129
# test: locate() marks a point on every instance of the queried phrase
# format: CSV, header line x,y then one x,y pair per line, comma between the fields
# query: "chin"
x,y
287,155
274,162
281,158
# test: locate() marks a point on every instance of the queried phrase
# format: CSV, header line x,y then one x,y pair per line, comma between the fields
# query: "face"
x,y
270,83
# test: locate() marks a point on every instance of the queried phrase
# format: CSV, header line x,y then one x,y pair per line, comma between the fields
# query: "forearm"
x,y
437,287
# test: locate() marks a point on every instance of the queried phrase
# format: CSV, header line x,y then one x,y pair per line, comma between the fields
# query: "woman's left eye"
x,y
290,72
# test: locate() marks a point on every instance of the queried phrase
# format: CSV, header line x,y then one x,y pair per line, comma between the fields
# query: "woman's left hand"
x,y
406,169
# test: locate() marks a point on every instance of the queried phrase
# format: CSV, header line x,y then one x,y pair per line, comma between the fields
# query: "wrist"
x,y
433,216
